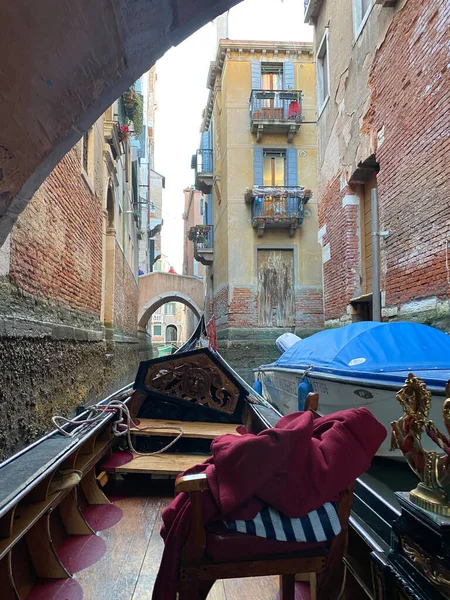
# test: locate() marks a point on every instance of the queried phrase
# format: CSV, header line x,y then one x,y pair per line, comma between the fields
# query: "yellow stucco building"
x,y
257,168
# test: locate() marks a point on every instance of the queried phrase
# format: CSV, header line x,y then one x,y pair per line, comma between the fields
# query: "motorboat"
x,y
362,364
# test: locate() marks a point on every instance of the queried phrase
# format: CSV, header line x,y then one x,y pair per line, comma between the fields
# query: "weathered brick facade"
x,y
220,308
341,271
53,349
125,296
412,104
402,122
56,245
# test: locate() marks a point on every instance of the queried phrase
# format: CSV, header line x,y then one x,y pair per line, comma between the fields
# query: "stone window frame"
x,y
323,50
360,20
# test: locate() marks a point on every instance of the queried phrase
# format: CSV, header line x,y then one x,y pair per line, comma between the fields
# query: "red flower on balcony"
x,y
125,132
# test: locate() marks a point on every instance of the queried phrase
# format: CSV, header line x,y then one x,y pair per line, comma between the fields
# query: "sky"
x,y
181,96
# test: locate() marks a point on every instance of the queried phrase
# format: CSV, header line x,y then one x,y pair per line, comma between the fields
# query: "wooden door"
x,y
366,235
276,294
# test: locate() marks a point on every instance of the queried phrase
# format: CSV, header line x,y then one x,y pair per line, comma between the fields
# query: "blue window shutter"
x,y
288,76
256,75
258,175
205,140
207,152
291,166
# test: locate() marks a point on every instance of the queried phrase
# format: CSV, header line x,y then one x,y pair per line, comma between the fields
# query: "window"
x,y
169,309
157,329
274,167
361,9
323,86
271,76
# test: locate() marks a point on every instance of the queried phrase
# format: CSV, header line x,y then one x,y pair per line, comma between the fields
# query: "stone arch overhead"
x,y
63,63
157,301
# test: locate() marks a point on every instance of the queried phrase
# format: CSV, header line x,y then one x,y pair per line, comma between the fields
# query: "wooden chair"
x,y
210,555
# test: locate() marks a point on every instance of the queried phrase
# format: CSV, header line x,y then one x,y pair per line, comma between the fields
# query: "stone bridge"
x,y
63,63
156,289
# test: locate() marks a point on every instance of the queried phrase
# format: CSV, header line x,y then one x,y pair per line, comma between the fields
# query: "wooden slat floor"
x,y
134,549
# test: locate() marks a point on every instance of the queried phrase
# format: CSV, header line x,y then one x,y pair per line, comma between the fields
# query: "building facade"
x,y
69,283
383,122
257,165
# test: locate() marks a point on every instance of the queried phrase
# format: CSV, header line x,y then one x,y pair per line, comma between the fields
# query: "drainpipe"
x,y
376,292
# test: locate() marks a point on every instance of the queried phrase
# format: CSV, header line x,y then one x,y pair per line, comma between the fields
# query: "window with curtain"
x,y
271,76
274,162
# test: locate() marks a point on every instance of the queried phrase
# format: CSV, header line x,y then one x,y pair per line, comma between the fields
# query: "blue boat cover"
x,y
371,347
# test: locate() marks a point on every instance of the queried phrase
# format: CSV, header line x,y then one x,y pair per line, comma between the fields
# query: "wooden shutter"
x,y
288,76
256,75
258,174
291,167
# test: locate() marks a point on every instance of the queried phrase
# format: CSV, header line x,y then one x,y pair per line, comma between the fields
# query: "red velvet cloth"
x,y
294,467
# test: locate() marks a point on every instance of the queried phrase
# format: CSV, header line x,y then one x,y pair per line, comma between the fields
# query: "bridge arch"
x,y
157,301
156,289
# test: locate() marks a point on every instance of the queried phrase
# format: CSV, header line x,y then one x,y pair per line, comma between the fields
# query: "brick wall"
x,y
220,308
125,296
243,308
242,312
341,271
56,244
309,308
410,81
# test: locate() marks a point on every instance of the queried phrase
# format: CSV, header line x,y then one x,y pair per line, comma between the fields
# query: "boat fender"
x,y
257,386
304,388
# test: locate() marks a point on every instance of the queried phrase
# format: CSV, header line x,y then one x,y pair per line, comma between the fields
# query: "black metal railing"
x,y
278,205
276,105
202,236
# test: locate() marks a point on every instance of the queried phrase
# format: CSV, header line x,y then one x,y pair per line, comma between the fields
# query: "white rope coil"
x,y
121,426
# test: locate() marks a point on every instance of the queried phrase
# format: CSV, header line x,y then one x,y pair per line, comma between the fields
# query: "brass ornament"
x,y
432,468
429,567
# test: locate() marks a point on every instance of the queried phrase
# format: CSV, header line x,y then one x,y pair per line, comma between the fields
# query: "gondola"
x,y
80,508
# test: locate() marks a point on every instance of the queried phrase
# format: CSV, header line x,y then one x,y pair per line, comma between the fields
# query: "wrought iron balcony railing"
x,y
202,162
275,111
277,207
203,238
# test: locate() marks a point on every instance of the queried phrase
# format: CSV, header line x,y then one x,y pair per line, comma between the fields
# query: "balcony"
x,y
202,162
277,207
275,111
202,236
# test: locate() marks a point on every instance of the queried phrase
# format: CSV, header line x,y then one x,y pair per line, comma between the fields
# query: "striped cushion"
x,y
317,526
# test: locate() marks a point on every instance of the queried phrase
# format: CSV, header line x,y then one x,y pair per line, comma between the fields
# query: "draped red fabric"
x,y
294,467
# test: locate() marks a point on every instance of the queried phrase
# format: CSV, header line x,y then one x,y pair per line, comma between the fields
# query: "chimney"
x,y
222,26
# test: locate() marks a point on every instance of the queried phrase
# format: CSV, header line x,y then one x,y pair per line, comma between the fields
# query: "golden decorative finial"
x,y
432,468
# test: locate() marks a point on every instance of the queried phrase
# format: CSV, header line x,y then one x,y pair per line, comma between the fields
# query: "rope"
x,y
438,438
121,426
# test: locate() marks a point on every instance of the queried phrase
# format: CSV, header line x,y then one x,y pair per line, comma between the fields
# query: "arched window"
x,y
171,333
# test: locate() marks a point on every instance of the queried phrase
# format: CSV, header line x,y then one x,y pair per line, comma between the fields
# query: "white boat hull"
x,y
280,388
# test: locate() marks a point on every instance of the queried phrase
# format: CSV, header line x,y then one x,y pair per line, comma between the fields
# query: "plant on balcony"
x,y
134,110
